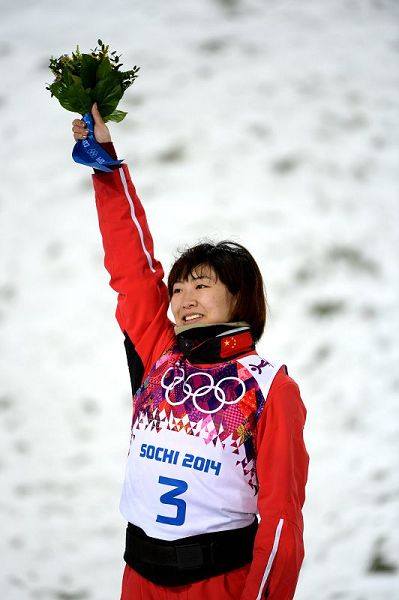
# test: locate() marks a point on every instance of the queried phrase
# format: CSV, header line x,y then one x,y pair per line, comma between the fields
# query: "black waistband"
x,y
189,559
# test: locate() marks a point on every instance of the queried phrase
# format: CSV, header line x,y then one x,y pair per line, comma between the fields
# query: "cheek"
x,y
233,302
173,305
230,303
224,304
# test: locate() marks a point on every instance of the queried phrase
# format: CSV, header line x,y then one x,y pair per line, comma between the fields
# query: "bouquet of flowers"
x,y
82,79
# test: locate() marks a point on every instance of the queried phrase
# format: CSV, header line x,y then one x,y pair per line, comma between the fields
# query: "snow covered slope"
x,y
274,123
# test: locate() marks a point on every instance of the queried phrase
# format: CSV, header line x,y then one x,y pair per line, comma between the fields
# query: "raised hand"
x,y
101,131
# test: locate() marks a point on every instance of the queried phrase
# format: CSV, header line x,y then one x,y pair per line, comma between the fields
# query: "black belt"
x,y
189,559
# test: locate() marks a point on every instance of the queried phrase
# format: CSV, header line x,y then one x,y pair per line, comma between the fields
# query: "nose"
x,y
188,299
188,302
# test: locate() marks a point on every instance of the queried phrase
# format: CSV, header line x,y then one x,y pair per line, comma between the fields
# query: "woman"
x,y
217,430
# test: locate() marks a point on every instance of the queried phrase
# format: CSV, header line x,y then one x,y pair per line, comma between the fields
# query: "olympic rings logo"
x,y
219,389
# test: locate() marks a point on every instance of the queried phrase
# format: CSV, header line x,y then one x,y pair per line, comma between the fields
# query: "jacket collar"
x,y
208,344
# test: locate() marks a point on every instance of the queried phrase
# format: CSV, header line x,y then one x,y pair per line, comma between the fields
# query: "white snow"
x,y
273,123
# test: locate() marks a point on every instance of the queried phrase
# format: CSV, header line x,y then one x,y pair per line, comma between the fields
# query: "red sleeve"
x,y
282,466
129,258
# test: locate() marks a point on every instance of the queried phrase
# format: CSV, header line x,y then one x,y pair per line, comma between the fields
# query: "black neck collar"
x,y
215,343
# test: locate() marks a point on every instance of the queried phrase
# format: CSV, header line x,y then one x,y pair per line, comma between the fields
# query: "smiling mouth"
x,y
193,317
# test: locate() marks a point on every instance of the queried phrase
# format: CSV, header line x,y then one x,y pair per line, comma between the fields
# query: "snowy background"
x,y
274,123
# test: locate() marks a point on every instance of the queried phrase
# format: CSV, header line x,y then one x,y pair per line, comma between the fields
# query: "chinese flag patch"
x,y
235,344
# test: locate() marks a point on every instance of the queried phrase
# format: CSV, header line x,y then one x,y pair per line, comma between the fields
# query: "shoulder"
x,y
284,398
279,391
282,381
262,370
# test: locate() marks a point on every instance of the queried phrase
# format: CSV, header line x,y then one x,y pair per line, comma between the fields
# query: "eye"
x,y
177,290
201,286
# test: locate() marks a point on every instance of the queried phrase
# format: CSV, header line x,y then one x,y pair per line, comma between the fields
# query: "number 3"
x,y
170,498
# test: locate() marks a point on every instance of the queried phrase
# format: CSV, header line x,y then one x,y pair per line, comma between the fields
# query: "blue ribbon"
x,y
89,152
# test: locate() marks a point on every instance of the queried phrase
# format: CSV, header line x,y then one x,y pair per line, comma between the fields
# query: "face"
x,y
202,299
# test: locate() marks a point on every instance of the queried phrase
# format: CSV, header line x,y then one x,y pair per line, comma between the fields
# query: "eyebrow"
x,y
200,276
194,277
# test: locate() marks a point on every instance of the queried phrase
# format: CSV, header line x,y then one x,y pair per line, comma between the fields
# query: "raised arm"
x,y
129,258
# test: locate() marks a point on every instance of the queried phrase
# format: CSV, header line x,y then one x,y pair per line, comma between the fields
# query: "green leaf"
x,y
75,98
104,69
117,116
88,71
55,88
107,94
76,79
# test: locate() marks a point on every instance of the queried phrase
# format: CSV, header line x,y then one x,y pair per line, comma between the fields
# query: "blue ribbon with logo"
x,y
89,152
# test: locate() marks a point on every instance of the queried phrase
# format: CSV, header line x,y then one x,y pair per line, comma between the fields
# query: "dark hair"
x,y
237,269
